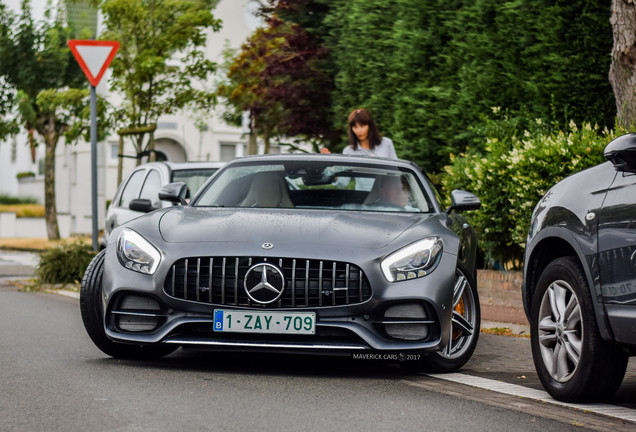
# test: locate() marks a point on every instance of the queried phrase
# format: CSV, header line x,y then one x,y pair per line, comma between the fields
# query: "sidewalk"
x,y
19,264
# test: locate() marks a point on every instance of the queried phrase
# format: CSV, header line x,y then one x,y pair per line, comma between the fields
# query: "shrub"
x,y
6,199
513,174
25,174
64,263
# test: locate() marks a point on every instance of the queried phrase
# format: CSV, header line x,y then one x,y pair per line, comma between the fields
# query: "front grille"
x,y
308,283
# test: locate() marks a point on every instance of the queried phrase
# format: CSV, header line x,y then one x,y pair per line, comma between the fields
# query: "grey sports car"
x,y
325,254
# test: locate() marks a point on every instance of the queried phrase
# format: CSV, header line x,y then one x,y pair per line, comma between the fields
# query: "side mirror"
x,y
175,193
141,205
463,201
622,153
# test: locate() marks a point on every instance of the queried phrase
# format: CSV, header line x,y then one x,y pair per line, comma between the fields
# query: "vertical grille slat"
x,y
210,273
198,278
307,283
185,280
293,284
236,273
223,280
347,270
174,275
314,283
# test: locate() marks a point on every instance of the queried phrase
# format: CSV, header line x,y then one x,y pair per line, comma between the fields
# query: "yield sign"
x,y
94,57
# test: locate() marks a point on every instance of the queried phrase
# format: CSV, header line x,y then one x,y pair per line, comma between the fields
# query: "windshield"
x,y
317,185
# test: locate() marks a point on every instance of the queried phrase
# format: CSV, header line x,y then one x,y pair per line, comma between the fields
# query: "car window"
x,y
318,185
131,190
194,178
150,189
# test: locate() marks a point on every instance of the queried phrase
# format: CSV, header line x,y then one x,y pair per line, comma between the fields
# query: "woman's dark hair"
x,y
363,117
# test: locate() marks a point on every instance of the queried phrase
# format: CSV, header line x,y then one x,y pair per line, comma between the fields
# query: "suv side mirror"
x,y
463,201
622,153
141,205
175,193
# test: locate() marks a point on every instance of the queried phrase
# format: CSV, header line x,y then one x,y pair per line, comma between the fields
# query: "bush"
x,y
6,199
513,174
64,263
25,174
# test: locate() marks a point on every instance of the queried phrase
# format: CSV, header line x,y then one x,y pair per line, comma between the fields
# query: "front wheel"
x,y
93,318
573,363
464,329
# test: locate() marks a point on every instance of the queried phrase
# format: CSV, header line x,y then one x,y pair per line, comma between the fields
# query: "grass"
x,y
23,210
503,331
34,244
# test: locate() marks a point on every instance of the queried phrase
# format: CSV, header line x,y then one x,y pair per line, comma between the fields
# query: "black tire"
x,y
573,363
93,318
466,321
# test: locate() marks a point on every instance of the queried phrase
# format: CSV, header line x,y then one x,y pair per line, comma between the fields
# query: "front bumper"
x,y
364,327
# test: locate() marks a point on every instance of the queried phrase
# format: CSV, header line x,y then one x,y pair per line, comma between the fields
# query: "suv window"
x,y
194,178
131,189
150,189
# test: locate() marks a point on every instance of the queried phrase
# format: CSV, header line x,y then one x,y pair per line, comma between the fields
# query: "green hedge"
x,y
64,263
513,174
10,200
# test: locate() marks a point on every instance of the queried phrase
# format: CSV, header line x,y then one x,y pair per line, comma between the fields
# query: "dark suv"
x,y
579,285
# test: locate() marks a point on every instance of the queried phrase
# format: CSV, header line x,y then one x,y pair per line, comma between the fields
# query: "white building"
x,y
176,137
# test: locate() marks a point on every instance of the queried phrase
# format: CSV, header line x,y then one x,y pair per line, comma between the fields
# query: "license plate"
x,y
238,321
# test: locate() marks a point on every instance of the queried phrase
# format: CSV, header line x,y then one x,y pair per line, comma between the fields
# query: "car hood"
x,y
315,227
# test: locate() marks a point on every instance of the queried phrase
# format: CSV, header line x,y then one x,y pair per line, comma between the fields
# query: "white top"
x,y
384,149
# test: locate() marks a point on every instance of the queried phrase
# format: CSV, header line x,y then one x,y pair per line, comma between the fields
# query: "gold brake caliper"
x,y
460,310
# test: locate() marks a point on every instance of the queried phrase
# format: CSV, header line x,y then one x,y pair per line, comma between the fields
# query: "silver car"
x,y
138,194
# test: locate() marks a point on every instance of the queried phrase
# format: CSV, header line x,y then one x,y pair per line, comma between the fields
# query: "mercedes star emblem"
x,y
264,283
267,245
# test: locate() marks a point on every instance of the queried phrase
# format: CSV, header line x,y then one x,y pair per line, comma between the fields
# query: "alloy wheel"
x,y
464,319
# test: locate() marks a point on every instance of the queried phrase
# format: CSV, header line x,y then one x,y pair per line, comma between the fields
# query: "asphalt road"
x,y
52,378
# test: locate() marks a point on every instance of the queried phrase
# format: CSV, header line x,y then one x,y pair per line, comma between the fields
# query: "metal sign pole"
x,y
94,164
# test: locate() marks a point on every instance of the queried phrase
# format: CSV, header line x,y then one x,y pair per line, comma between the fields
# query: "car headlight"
x,y
136,253
413,261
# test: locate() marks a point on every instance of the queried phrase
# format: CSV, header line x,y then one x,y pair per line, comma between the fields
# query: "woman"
x,y
364,137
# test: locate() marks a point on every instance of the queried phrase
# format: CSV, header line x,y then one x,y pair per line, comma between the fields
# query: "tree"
x,y
43,90
160,67
280,77
622,72
429,70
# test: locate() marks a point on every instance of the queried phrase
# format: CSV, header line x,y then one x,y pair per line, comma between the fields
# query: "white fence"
x,y
15,227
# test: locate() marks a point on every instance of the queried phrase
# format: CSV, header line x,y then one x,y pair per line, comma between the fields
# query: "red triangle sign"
x,y
94,57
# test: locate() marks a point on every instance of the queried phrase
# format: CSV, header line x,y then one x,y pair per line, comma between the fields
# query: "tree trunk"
x,y
50,208
266,138
252,147
622,74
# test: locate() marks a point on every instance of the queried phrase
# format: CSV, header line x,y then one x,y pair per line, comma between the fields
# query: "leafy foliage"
x,y
279,76
160,67
511,174
431,71
7,199
42,89
64,263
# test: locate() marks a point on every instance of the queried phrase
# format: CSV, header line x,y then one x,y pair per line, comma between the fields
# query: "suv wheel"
x,y
572,361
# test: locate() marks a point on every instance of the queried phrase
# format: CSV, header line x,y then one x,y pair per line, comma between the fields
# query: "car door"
x,y
617,244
